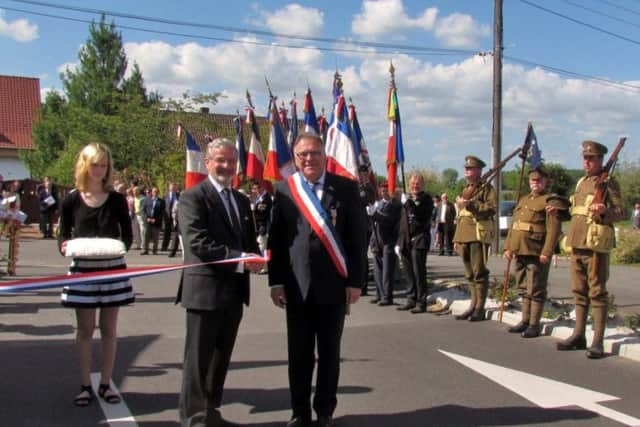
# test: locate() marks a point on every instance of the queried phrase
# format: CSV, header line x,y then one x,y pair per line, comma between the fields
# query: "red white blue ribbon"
x,y
319,220
108,276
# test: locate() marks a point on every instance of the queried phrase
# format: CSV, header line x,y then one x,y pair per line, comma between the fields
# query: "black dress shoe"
x,y
477,316
419,309
374,301
144,253
518,328
532,331
299,422
408,306
384,303
325,421
464,315
596,351
574,342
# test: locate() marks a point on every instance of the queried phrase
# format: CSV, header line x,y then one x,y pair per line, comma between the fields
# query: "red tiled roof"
x,y
19,106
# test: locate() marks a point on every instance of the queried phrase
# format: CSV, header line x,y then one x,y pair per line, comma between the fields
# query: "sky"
x,y
570,66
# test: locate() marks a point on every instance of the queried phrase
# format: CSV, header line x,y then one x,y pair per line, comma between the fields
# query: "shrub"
x,y
627,249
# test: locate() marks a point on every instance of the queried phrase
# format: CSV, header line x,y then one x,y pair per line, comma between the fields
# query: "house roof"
x,y
19,106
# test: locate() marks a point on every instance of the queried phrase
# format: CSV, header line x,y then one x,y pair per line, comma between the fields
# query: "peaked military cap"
x,y
539,172
558,201
593,148
473,162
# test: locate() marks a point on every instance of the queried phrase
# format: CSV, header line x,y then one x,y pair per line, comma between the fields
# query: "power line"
x,y
610,3
597,80
244,30
606,82
615,18
247,42
577,21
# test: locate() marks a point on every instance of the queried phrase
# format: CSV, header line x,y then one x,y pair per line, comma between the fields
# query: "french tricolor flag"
x,y
196,170
310,119
279,162
255,156
341,156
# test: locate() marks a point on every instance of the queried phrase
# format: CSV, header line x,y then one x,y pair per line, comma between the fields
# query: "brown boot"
x,y
596,351
524,323
577,340
465,314
534,323
479,313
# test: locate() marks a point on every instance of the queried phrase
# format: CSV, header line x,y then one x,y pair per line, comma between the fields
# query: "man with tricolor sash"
x,y
318,250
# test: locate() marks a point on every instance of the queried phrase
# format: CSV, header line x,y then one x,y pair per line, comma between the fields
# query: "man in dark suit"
x,y
445,217
215,222
48,200
414,244
154,212
169,200
367,197
316,271
386,215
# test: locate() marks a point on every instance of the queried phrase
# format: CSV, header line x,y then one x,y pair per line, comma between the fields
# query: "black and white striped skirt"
x,y
93,295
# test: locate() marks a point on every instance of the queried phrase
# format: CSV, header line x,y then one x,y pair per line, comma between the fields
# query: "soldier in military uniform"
x,y
590,237
414,244
531,240
367,198
474,234
261,204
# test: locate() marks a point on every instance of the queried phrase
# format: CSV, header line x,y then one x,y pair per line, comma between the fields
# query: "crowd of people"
x,y
318,228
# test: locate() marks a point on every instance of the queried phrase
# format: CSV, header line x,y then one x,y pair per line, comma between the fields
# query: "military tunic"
x,y
468,238
533,233
590,269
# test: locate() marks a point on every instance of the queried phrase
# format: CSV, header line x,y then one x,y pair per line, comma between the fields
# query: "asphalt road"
x,y
394,372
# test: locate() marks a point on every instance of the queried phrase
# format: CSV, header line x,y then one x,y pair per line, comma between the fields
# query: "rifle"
x,y
607,171
472,190
524,151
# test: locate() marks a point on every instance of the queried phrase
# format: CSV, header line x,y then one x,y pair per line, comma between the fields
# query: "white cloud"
x,y
388,16
71,66
461,31
20,30
292,19
446,108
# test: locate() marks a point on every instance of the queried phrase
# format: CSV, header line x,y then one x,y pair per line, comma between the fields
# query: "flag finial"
x,y
249,99
392,71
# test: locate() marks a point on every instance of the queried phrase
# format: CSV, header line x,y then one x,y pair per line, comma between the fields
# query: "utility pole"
x,y
496,141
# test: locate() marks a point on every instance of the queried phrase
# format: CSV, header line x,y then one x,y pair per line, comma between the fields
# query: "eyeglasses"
x,y
308,154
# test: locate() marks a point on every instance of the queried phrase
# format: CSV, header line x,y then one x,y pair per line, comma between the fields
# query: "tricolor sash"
x,y
319,220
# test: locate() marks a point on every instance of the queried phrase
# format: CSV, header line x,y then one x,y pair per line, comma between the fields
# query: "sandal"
x,y
105,392
83,399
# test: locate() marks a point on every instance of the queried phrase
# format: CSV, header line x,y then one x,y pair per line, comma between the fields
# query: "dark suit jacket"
x,y
208,236
298,258
156,212
386,225
168,203
418,212
43,194
262,213
449,216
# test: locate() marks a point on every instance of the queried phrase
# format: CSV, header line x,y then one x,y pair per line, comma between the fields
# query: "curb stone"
x,y
618,341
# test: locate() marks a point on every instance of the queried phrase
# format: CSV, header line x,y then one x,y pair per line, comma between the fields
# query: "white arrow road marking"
x,y
118,414
545,392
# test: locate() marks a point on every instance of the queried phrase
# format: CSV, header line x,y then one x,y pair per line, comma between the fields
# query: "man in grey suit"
x,y
314,279
216,224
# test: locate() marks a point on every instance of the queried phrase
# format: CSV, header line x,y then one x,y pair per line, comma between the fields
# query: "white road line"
x,y
118,414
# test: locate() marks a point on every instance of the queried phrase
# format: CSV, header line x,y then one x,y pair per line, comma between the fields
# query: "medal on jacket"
x,y
334,213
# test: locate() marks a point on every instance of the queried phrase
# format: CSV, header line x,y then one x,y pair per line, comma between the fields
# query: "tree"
x,y
50,133
96,83
628,176
449,177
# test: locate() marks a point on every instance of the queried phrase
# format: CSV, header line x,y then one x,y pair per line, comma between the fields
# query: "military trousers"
x,y
474,256
589,275
531,277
